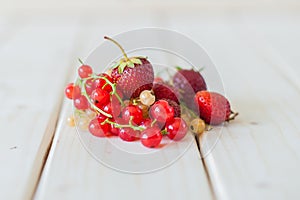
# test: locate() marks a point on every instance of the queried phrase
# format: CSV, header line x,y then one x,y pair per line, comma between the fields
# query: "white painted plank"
x,y
71,173
281,43
34,64
257,156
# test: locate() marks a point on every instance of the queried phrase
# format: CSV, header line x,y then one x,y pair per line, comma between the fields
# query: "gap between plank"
x,y
205,169
43,152
44,149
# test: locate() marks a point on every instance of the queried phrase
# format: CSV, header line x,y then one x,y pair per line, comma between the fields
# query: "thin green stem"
x,y
114,90
104,86
153,122
120,99
136,128
81,62
89,100
189,110
164,132
82,83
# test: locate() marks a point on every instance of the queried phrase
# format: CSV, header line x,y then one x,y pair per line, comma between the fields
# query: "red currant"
x,y
112,108
100,97
72,91
133,112
102,84
114,130
162,111
69,90
120,121
81,103
177,129
98,129
146,123
128,134
151,137
76,92
85,71
89,86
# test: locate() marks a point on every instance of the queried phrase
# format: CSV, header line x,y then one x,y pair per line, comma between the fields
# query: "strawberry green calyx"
x,y
124,62
121,64
178,68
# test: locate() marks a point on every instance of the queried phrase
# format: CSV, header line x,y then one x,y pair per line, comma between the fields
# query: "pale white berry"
x,y
90,114
83,123
197,126
71,121
147,98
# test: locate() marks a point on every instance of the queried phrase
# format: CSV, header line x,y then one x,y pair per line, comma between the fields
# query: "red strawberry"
x,y
213,107
132,75
165,91
132,81
188,82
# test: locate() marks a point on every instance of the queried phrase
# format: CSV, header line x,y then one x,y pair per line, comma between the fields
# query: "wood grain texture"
x,y
257,156
30,97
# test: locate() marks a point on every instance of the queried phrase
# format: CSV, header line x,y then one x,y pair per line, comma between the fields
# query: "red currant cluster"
x,y
141,118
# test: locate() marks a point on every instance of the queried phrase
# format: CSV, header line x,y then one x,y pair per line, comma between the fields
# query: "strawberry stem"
x,y
232,116
116,43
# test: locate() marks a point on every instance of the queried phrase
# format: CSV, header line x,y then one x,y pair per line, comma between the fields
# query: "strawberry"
x,y
132,75
214,108
164,91
188,82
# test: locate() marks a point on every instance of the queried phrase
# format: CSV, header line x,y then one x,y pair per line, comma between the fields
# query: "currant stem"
x,y
116,43
153,122
164,132
114,90
81,62
189,110
89,100
136,128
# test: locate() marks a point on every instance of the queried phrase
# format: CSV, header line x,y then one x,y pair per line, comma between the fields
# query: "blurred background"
x,y
40,41
45,33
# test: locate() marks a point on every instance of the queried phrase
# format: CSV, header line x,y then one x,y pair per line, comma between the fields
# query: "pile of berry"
x,y
128,101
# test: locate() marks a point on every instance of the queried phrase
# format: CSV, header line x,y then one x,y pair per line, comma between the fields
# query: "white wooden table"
x,y
257,156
